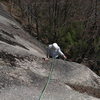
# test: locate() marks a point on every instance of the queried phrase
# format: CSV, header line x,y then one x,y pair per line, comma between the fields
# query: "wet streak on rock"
x,y
7,34
86,89
12,42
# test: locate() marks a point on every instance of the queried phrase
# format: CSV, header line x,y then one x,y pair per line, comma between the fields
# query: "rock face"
x,y
23,72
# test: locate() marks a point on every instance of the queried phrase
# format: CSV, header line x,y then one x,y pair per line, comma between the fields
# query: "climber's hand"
x,y
45,59
65,57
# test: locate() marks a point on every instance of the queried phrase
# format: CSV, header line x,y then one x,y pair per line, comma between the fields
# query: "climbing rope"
x,y
49,77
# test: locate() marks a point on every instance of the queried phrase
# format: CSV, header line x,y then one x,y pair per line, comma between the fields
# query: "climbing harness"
x,y
49,78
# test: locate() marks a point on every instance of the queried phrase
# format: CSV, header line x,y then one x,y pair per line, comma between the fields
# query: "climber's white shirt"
x,y
54,53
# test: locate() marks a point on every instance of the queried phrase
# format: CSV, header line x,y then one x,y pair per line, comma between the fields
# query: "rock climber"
x,y
54,51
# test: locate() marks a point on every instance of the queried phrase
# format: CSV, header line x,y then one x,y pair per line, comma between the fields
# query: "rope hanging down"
x,y
49,77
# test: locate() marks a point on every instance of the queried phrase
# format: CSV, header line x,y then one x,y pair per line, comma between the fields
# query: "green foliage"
x,y
71,34
73,40
97,47
97,44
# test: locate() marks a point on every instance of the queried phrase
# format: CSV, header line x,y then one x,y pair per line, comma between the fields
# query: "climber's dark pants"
x,y
55,58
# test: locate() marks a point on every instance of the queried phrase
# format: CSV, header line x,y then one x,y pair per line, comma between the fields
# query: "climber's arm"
x,y
62,54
